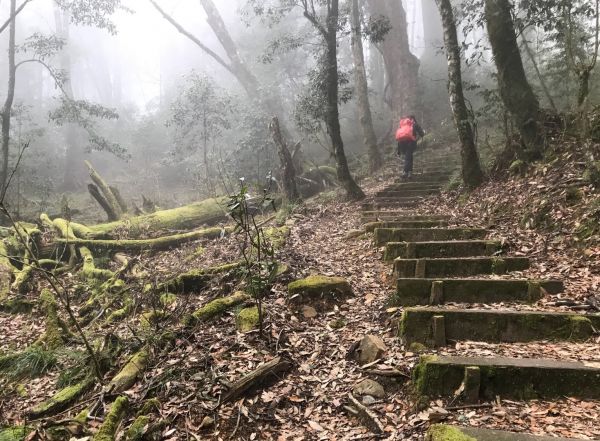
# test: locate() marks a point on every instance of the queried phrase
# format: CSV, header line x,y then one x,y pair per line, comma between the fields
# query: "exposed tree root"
x,y
113,419
216,308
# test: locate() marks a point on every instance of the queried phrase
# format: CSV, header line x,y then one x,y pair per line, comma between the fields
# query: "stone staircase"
x,y
436,264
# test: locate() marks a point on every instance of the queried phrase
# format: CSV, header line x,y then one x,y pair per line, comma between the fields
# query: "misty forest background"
x,y
165,107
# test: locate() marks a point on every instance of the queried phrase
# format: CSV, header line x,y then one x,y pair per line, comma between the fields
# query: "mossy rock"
x,y
14,433
518,167
320,292
168,299
247,319
338,323
277,236
136,430
17,306
61,400
441,432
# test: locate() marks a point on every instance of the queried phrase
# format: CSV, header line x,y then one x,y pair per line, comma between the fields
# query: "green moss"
x,y
21,390
61,400
150,319
53,335
247,319
109,427
119,314
14,433
136,430
417,347
441,432
196,279
82,416
198,252
216,308
17,306
130,372
421,376
338,323
277,236
168,299
150,406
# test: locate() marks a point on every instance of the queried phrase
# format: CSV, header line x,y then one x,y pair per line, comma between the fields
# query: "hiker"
x,y
406,135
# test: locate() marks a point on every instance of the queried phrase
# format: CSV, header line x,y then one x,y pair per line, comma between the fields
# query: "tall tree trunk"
x,y
401,65
515,90
362,91
288,171
332,118
471,168
10,96
74,172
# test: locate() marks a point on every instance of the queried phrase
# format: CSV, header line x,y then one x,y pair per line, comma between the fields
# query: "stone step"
x,y
521,379
371,226
413,186
397,202
400,216
438,327
452,248
407,193
431,177
385,235
413,292
443,432
421,168
458,266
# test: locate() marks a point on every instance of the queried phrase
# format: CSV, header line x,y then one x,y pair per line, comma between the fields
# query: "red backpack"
x,y
405,130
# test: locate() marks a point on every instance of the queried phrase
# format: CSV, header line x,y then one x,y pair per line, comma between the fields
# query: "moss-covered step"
x,y
403,193
443,432
371,226
458,266
435,326
376,216
413,292
512,378
320,292
385,235
452,248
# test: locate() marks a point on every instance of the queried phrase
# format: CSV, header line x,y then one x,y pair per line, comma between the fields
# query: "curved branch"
x,y
192,37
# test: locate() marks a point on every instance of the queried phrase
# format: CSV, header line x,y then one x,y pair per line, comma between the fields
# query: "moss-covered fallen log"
x,y
157,244
207,212
196,279
130,373
109,427
6,270
62,400
215,308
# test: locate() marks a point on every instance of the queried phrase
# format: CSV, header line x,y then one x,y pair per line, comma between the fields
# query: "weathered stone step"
x,y
424,185
458,266
385,235
439,249
407,193
421,168
376,216
443,432
371,226
432,177
413,292
437,326
398,202
521,379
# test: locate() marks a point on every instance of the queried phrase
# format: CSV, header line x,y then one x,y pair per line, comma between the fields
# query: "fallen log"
x,y
366,416
6,270
195,279
160,243
215,308
113,419
107,198
266,373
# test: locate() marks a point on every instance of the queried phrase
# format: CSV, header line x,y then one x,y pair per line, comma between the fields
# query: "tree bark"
x,y
401,65
10,96
288,171
362,91
515,90
332,119
114,209
471,168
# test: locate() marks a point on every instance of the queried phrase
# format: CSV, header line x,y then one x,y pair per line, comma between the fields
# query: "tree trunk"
x,y
113,206
10,96
516,93
401,65
362,91
471,168
288,171
332,118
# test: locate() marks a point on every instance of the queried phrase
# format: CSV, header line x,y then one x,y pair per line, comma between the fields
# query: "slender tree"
x,y
10,94
362,90
515,90
329,32
471,168
288,170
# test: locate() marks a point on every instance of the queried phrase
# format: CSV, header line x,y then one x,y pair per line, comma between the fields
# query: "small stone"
x,y
368,400
370,349
207,423
369,387
309,312
338,323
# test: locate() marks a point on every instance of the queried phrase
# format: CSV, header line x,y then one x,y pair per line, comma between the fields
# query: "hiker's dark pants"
x,y
407,148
